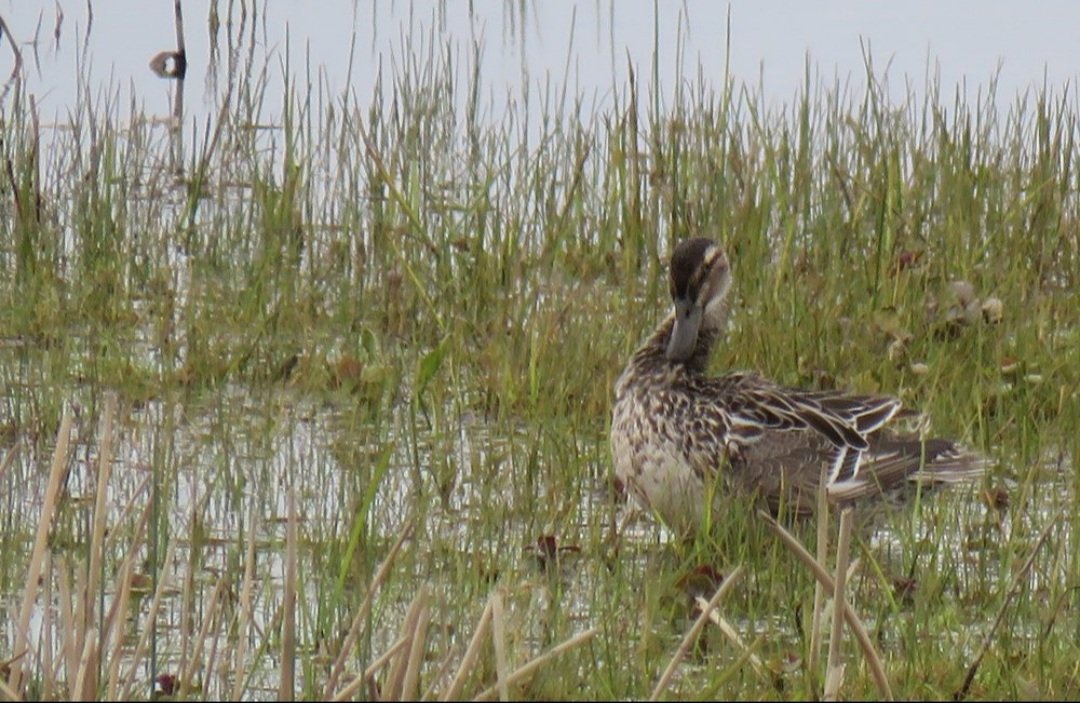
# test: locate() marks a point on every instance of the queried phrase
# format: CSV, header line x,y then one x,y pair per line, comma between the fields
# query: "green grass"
x,y
407,311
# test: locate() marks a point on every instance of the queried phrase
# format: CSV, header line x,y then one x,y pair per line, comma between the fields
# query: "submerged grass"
x,y
410,314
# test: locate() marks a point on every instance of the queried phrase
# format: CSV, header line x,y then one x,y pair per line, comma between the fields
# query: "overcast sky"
x,y
963,40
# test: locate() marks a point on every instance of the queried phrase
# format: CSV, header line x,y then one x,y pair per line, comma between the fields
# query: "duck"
x,y
682,441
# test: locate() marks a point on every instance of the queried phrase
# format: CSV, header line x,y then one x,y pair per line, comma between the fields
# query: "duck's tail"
x,y
890,463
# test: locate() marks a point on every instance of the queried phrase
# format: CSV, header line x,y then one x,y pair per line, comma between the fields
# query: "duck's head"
x,y
699,281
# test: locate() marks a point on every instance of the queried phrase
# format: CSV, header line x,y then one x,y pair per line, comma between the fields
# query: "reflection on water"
x,y
228,456
235,454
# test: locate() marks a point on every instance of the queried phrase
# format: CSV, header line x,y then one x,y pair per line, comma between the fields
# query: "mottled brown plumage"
x,y
674,427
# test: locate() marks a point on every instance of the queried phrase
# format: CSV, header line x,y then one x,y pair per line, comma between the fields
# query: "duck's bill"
x,y
685,332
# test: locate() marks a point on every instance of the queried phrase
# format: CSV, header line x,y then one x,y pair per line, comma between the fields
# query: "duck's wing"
x,y
868,413
784,467
843,419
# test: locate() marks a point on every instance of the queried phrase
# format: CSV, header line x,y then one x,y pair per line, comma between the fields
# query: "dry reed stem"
x,y
411,686
16,69
68,656
37,558
394,687
85,688
245,608
9,458
180,47
125,514
1014,588
471,654
498,639
391,688
187,597
529,668
188,672
822,515
187,591
834,667
148,626
78,621
728,631
439,676
834,679
353,687
695,630
365,609
101,513
7,692
853,621
48,678
119,608
286,683
385,658
212,657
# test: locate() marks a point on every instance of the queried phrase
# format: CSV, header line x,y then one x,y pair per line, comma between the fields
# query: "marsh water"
x,y
337,354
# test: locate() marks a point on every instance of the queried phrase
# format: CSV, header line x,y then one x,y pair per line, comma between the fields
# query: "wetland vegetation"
x,y
326,380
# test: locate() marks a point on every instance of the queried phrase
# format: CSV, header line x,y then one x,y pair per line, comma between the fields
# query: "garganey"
x,y
675,430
